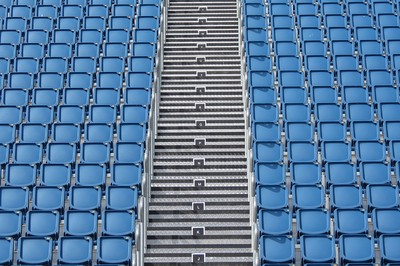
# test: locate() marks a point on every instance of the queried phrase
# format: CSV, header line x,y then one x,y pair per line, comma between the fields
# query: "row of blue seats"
x,y
75,96
318,222
82,198
321,250
325,94
70,250
71,133
59,3
326,131
275,197
79,64
73,10
337,173
331,151
66,153
77,80
86,174
75,223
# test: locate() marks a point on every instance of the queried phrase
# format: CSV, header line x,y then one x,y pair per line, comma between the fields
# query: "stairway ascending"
x,y
199,209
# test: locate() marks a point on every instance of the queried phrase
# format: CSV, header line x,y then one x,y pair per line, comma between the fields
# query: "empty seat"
x,y
263,95
50,80
14,198
394,151
6,251
65,133
388,245
382,196
291,78
350,221
134,114
336,151
34,250
118,223
59,50
331,131
128,152
137,96
379,77
268,152
4,154
272,197
112,249
106,96
79,80
55,175
42,223
391,130
85,49
61,153
264,112
10,115
346,196
85,198
20,80
55,64
139,80
270,173
16,97
314,48
10,226
120,22
109,80
8,50
305,173
375,173
356,248
112,64
80,223
98,132
76,96
39,114
385,221
370,151
355,94
94,23
75,250
70,114
388,111
7,133
364,131
275,222
302,151
322,94
102,114
295,131
308,196
90,174
317,248
117,36
48,198
277,249
45,96
20,175
65,36
121,198
95,153
340,47
27,153
313,221
359,112
125,174
266,132
340,173
128,132
33,133
296,112
284,62
140,64
10,36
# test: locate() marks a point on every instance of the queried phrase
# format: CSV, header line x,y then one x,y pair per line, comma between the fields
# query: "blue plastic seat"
x,y
264,112
389,111
70,114
335,20
21,10
382,196
308,196
94,23
302,151
390,33
140,64
385,221
296,112
340,47
379,77
260,63
255,34
60,153
139,80
7,133
379,7
283,48
260,21
305,173
137,96
370,151
295,94
87,50
26,64
345,196
313,221
272,197
331,131
263,95
317,248
10,36
112,249
27,153
109,80
14,199
340,173
68,23
314,48
126,174
377,62
346,62
97,10
106,96
117,35
90,174
121,198
328,112
39,114
95,153
350,78
65,36
118,223
85,198
112,64
320,78
79,80
134,114
4,154
375,173
72,10
34,250
63,50
306,9
115,49
102,114
291,79
20,80
284,62
48,198
350,221
129,132
266,131
356,248
144,35
76,96
4,65
65,133
75,250
15,23
120,22
129,10
317,62
275,222
16,97
20,175
388,245
55,175
269,152
354,94
277,249
8,50
128,152
10,114
286,35
310,21
55,64
147,22
98,132
366,33
50,80
42,223
10,226
6,251
33,133
370,47
46,11
257,48
339,34
80,223
391,130
395,59
41,23
270,173
359,112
